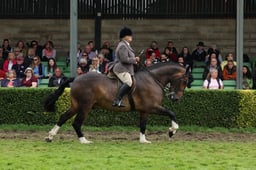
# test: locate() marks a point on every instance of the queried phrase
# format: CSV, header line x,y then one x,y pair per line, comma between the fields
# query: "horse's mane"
x,y
161,64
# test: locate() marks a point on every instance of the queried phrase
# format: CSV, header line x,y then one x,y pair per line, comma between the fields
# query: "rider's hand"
x,y
137,59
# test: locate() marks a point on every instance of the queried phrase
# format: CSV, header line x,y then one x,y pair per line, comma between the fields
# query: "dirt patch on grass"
x,y
133,136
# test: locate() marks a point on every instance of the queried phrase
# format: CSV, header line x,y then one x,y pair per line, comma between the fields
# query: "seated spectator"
x,y
229,71
228,57
181,61
95,66
106,52
79,71
199,53
110,56
21,46
213,81
164,58
6,48
152,56
213,55
29,80
57,78
9,62
51,66
11,80
154,47
38,68
20,66
247,78
103,64
90,53
29,58
170,44
148,62
213,49
187,56
37,48
213,65
83,64
48,51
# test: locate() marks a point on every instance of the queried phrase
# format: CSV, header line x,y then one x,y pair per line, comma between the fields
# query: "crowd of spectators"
x,y
25,65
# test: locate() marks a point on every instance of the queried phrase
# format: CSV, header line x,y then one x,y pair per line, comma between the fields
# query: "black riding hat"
x,y
124,32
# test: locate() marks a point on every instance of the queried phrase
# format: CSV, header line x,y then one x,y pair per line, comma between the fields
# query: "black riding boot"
x,y
124,89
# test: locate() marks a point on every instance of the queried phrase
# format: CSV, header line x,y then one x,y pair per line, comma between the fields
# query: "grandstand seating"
x,y
229,84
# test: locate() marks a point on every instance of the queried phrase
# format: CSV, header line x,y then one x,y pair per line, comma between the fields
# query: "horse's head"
x,y
177,86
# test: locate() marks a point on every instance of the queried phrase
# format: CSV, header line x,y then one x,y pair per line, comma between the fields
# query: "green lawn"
x,y
34,153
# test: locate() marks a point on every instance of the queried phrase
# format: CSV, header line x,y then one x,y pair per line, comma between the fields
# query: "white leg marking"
x,y
174,127
53,132
83,140
143,139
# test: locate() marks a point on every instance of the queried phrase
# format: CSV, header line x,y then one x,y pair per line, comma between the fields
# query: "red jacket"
x,y
6,63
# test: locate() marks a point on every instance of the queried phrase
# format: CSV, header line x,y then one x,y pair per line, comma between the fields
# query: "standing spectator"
x,y
213,81
51,66
11,80
20,67
38,69
9,62
247,78
199,53
6,48
57,78
229,71
29,80
49,51
154,47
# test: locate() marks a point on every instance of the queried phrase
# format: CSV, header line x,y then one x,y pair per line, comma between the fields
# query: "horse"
x,y
94,90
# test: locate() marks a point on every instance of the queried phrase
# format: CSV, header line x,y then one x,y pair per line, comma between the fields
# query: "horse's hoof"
x,y
172,131
83,140
144,141
47,139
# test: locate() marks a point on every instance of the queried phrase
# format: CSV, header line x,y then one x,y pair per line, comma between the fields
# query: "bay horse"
x,y
94,90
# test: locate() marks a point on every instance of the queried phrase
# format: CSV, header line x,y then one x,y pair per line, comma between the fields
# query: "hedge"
x,y
209,108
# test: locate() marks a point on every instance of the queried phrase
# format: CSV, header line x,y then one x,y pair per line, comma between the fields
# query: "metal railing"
x,y
125,9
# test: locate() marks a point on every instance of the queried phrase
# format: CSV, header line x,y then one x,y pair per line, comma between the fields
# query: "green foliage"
x,y
208,108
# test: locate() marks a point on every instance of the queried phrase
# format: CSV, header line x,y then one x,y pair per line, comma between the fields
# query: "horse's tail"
x,y
49,103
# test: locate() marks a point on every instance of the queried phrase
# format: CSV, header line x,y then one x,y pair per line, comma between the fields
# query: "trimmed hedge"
x,y
210,108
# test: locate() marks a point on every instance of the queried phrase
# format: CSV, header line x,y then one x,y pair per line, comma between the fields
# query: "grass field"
x,y
118,148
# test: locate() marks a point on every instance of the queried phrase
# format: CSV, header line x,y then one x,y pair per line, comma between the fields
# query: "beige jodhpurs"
x,y
125,77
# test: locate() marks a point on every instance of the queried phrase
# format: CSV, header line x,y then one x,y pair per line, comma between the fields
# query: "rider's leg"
x,y
124,89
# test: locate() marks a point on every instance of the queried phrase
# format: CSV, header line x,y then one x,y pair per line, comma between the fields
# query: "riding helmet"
x,y
125,31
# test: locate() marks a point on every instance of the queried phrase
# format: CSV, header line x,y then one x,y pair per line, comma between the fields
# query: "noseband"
x,y
172,89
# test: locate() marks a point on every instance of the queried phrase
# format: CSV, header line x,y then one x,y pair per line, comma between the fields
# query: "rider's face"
x,y
128,38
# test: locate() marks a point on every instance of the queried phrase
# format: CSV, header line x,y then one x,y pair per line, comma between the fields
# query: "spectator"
x,y
247,78
49,51
83,64
213,55
78,55
9,62
199,53
229,71
20,45
20,67
51,66
79,71
1,58
110,56
88,50
181,61
152,56
2,75
37,48
29,58
29,80
148,62
213,81
6,48
213,65
38,69
91,44
170,44
103,64
213,49
170,55
94,67
187,57
11,80
106,52
228,57
154,47
164,58
57,78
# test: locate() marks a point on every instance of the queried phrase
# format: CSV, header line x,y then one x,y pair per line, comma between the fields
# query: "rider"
x,y
124,64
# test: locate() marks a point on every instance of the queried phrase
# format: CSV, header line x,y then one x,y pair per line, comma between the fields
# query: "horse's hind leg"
x,y
143,122
63,118
79,119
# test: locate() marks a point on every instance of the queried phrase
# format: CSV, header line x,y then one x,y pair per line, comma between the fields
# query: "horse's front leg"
x,y
143,122
63,118
175,126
